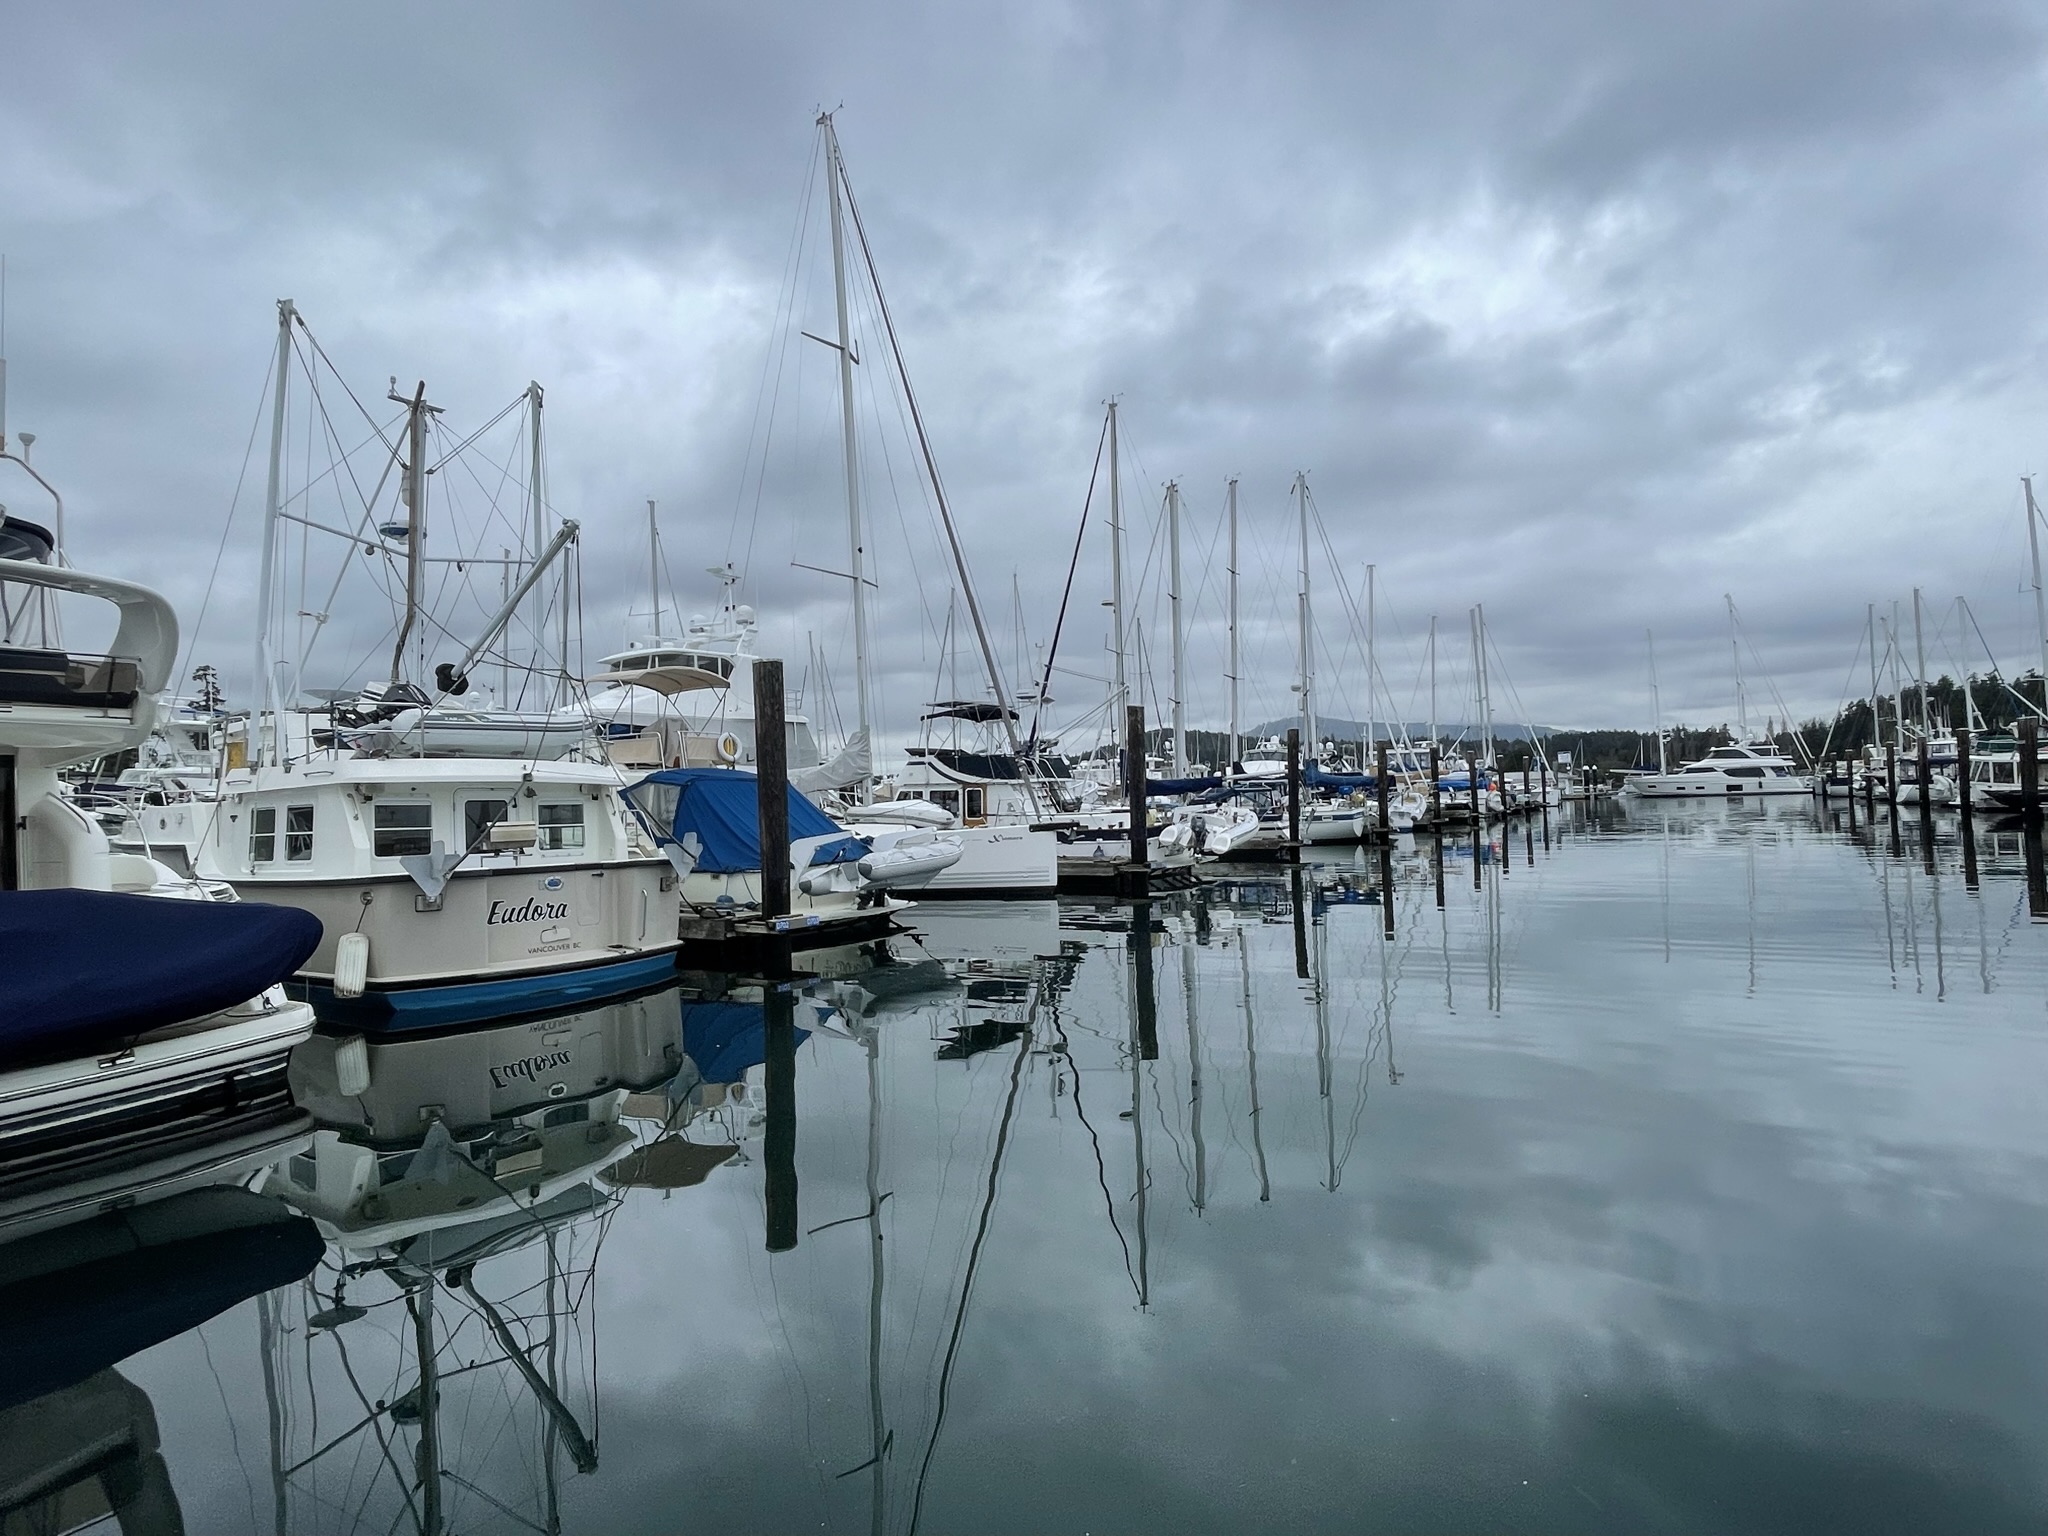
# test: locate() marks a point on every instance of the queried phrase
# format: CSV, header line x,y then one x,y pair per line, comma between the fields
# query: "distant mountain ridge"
x,y
1336,728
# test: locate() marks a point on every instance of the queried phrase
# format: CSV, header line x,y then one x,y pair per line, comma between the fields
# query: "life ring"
x,y
728,748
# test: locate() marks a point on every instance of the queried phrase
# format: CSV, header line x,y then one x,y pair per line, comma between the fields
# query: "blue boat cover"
x,y
59,1325
85,969
722,807
1321,778
724,1039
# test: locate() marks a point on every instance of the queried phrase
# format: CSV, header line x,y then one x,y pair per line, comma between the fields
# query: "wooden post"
x,y
1379,786
1134,779
1926,788
1849,790
1472,791
771,784
1436,797
778,1141
1543,781
1294,791
2030,766
1826,770
1891,777
1867,791
1525,785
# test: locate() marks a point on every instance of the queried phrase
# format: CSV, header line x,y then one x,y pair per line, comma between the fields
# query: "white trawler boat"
x,y
460,867
134,1007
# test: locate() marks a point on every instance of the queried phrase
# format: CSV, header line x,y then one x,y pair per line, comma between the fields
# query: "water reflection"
x,y
1639,1167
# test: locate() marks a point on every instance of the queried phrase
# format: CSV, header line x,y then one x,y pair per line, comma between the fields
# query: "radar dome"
x,y
744,613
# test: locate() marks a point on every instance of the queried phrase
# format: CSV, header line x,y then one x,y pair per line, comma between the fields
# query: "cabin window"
x,y
977,804
949,798
298,833
1744,773
263,834
479,816
561,826
402,829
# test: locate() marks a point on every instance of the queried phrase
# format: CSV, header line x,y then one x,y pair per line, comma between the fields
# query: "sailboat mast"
x,y
1656,699
1970,713
1308,643
1234,741
1180,717
537,516
1432,680
2040,600
1735,650
1372,697
266,581
1920,663
415,519
1485,681
1116,568
654,567
834,173
1898,681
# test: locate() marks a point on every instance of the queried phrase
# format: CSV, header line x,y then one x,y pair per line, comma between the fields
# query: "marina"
x,y
928,771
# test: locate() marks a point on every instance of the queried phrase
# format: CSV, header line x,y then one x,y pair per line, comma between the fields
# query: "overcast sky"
x,y
1589,313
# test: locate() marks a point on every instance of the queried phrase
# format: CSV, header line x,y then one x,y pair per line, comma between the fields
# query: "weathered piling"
x,y
2030,766
1134,781
1472,790
771,786
1849,791
1436,797
1891,786
1379,787
1926,775
778,1141
1294,793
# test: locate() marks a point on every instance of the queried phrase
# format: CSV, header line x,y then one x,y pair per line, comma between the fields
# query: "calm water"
x,y
1685,1174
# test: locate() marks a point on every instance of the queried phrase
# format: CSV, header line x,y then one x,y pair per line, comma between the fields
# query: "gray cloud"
x,y
1589,314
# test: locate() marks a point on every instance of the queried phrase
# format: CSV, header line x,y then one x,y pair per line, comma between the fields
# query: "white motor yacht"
x,y
1757,768
134,1006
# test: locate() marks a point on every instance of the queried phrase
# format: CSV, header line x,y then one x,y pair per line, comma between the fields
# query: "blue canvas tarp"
x,y
1182,786
724,1039
1319,777
84,969
721,806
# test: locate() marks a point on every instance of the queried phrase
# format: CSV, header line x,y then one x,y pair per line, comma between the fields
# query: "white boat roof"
x,y
424,770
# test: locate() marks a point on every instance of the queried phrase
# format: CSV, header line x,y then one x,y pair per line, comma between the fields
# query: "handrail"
x,y
148,633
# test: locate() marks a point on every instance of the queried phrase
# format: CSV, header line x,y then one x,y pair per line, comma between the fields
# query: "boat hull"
x,y
400,1008
999,861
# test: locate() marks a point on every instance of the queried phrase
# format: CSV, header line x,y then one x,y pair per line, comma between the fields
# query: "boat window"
x,y
263,834
1744,773
479,816
949,798
977,804
402,828
298,832
561,826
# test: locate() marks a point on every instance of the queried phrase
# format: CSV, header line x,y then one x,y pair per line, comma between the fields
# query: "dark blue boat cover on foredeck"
x,y
724,1039
722,806
1320,777
1182,786
80,970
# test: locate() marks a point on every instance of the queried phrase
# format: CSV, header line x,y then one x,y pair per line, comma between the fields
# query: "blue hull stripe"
x,y
397,1010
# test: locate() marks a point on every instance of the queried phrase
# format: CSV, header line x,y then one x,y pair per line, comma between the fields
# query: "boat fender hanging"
x,y
351,964
728,748
449,681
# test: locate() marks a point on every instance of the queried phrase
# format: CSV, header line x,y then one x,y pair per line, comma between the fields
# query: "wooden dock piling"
x,y
1294,792
1134,781
1926,775
1379,787
771,785
2030,766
